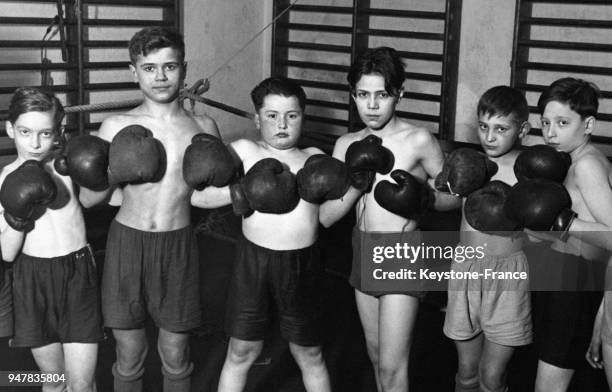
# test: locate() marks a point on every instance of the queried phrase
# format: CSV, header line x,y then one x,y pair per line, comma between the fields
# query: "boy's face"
x,y
280,121
160,74
375,105
34,134
563,128
498,134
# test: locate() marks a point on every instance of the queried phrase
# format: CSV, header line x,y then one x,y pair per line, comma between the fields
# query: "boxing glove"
x,y
542,161
268,186
208,161
464,171
484,209
540,204
135,157
85,159
322,178
364,158
408,197
25,193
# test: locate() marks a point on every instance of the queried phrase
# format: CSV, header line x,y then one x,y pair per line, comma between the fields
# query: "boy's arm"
x,y
11,240
332,211
432,159
208,125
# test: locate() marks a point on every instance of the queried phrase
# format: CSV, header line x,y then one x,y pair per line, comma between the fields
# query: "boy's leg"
x,y
240,356
174,353
312,364
551,378
367,306
396,321
50,359
606,351
131,348
469,353
80,363
493,366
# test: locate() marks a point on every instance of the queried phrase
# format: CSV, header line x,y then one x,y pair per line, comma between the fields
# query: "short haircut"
x,y
382,60
151,39
504,101
31,99
581,96
277,85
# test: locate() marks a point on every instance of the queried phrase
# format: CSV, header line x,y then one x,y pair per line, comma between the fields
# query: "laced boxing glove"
x,y
541,205
208,161
464,171
85,159
408,197
542,161
322,178
484,209
268,186
364,158
136,157
25,193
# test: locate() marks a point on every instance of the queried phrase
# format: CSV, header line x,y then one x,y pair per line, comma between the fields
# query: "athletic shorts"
x,y
6,299
291,281
151,274
562,320
355,276
499,308
56,300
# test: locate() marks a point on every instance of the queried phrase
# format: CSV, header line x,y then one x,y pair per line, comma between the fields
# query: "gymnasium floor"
x,y
433,358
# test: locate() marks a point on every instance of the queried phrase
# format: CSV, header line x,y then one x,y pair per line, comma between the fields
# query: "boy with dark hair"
x,y
55,288
151,267
387,142
278,261
486,318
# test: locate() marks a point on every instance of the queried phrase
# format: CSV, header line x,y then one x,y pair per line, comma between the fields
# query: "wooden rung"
x,y
583,46
564,22
566,68
327,120
126,22
402,34
418,116
321,85
30,44
405,13
316,27
322,9
132,3
314,65
540,88
327,104
311,46
421,96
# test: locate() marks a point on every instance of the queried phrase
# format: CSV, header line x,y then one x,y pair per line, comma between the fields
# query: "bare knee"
x,y
130,358
392,376
81,385
242,352
174,357
491,379
467,373
307,356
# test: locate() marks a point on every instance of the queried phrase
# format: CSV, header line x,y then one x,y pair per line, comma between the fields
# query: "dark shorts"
x,y
290,280
6,300
154,273
56,300
562,320
355,276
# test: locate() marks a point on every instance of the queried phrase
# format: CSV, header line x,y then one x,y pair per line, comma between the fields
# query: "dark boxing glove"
x,y
542,161
136,157
464,171
268,186
540,205
25,193
85,159
364,158
208,161
408,197
484,209
322,178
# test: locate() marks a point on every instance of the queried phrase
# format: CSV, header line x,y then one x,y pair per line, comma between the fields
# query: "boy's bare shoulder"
x,y
592,160
312,151
417,136
245,147
207,124
113,124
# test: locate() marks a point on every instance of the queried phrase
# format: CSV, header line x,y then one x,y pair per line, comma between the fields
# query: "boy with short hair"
x,y
152,266
387,142
563,320
488,319
55,288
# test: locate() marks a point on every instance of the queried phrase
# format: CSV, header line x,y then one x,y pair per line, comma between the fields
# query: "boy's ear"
x,y
257,121
589,125
9,129
400,93
524,130
133,70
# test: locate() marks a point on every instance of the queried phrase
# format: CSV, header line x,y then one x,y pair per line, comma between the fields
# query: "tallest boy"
x,y
151,266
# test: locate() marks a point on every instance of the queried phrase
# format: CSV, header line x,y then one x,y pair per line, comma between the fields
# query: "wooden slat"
x,y
566,22
316,27
405,13
321,85
402,34
541,87
327,104
30,44
583,46
322,9
311,46
566,68
62,66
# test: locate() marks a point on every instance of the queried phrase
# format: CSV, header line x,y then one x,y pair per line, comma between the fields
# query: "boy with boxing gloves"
x,y
151,267
278,261
388,148
55,288
487,318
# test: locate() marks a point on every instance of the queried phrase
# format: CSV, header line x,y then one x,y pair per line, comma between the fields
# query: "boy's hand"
x,y
542,161
208,161
136,157
85,159
269,187
484,209
25,193
366,157
593,354
408,198
322,178
464,171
